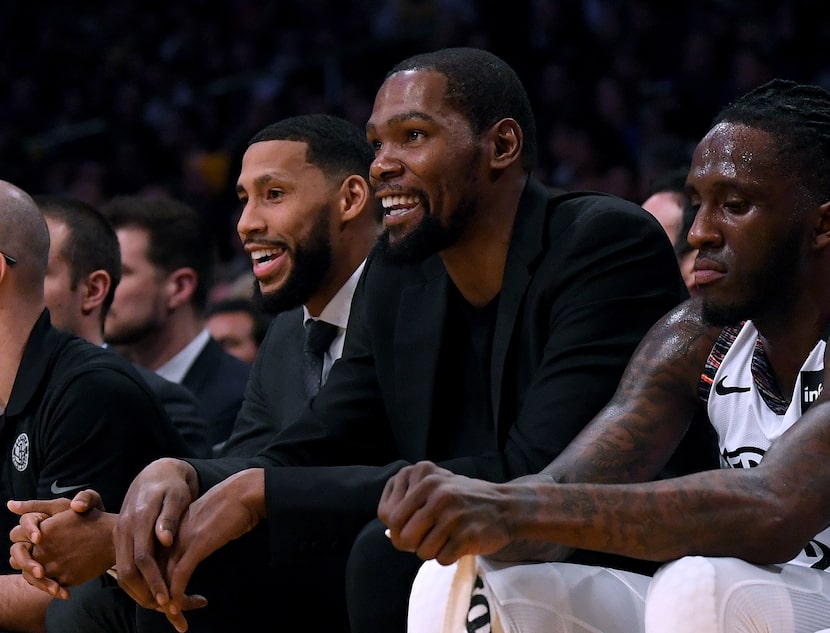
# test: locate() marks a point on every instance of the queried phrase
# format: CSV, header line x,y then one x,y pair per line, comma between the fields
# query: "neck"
x,y
341,268
92,330
476,262
15,329
159,347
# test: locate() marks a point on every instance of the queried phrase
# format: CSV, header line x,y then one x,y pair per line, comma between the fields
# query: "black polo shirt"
x,y
79,416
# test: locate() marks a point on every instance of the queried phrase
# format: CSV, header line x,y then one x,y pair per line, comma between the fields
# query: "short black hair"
x,y
483,88
797,116
242,304
337,146
178,236
92,244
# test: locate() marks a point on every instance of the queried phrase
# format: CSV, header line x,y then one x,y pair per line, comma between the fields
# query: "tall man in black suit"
x,y
493,321
156,318
324,235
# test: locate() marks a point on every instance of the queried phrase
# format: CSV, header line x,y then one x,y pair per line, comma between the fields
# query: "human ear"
x,y
508,140
96,285
821,236
181,286
355,195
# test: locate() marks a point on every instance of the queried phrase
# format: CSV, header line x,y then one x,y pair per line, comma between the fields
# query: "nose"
x,y
384,167
704,230
250,221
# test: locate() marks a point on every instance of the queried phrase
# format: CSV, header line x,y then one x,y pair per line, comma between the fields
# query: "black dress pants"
x,y
378,580
362,589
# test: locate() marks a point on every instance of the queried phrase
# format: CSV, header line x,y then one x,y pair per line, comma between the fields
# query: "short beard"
x,y
312,261
135,335
427,238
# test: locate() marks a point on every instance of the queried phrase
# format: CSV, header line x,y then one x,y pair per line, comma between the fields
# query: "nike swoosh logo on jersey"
x,y
59,490
722,389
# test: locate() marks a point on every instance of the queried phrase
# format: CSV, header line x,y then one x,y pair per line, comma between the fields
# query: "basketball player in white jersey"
x,y
744,549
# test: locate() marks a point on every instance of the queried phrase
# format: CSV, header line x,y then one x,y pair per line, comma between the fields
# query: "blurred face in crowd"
x,y
63,298
667,207
289,210
235,332
140,306
427,163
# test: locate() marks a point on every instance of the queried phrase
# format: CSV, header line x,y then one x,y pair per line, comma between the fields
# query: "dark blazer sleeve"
x,y
218,380
182,408
274,396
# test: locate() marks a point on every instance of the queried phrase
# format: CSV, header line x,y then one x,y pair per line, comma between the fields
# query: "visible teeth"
x,y
264,254
395,201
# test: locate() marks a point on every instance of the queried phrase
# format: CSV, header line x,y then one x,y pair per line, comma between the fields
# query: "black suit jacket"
x,y
182,408
275,395
585,278
218,380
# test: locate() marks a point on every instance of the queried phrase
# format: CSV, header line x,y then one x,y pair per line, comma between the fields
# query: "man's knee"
x,y
681,597
97,606
378,580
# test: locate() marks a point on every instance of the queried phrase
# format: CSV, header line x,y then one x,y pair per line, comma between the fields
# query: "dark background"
x,y
106,98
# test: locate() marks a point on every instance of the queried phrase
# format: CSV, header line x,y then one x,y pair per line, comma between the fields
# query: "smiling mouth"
x,y
399,205
265,255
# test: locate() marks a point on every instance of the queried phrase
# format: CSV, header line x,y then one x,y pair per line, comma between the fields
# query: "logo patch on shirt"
x,y
722,389
812,382
20,452
59,490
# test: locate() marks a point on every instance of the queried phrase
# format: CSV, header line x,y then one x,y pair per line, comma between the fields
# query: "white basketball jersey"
x,y
749,414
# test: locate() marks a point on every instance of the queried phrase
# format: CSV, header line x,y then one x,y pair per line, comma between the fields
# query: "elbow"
x,y
782,528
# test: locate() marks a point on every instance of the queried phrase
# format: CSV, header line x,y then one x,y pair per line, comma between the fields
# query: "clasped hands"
x,y
161,534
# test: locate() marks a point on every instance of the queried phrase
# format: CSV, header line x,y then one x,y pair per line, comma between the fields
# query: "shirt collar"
x,y
176,368
336,311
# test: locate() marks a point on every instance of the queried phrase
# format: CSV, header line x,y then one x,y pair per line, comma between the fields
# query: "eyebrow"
x,y
402,118
259,181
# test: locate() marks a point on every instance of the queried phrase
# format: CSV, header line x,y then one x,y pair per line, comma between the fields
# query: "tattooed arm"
x,y
444,516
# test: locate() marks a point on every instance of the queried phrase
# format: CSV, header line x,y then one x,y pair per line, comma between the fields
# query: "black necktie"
x,y
318,338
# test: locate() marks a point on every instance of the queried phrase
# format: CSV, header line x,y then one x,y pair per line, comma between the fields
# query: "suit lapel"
x,y
526,244
208,358
418,336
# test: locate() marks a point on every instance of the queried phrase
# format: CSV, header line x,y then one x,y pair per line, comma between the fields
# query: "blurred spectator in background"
x,y
174,94
157,315
671,206
238,325
83,270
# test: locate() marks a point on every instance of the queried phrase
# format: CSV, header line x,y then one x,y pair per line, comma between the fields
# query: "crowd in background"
x,y
101,99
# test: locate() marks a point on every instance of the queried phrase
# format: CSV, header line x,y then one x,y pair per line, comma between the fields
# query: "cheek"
x,y
134,292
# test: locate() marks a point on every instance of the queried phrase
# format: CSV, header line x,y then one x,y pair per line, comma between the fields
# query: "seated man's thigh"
x,y
247,591
97,606
378,580
529,598
728,595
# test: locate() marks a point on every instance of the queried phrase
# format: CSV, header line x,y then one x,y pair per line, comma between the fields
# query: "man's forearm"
x,y
707,513
23,607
